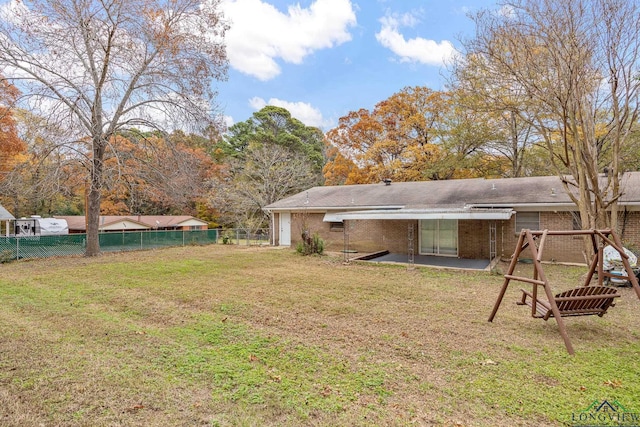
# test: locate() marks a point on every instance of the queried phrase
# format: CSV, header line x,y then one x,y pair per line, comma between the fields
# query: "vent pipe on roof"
x,y
387,181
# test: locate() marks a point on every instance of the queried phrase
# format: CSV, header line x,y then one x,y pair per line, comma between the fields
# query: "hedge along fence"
x,y
12,248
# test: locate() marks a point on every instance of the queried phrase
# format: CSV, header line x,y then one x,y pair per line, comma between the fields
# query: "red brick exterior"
x,y
366,236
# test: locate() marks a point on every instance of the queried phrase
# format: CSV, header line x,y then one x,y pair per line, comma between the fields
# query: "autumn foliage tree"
x,y
11,146
99,68
391,142
416,134
155,174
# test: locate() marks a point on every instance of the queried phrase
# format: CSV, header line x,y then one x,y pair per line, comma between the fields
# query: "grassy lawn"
x,y
234,336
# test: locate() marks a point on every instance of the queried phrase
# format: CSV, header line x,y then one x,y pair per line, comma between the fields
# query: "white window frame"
x,y
457,238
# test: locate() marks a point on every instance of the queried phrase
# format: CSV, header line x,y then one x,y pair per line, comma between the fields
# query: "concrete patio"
x,y
426,260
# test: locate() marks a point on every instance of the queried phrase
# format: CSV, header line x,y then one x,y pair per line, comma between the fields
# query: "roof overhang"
x,y
191,222
5,215
385,214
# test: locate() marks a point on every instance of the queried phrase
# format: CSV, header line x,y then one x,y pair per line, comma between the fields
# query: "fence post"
x,y
17,247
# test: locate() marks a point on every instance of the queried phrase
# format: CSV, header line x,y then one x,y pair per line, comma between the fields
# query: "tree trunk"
x,y
94,198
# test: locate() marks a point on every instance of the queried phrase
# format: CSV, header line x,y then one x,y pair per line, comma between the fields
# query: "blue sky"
x,y
321,59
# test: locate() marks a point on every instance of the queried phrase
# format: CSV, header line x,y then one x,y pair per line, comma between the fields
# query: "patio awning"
x,y
389,214
5,215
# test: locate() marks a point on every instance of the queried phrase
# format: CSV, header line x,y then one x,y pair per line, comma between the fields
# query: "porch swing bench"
x,y
584,300
580,301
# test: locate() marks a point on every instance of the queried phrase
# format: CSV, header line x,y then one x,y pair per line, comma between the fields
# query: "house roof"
x,y
134,222
5,215
449,196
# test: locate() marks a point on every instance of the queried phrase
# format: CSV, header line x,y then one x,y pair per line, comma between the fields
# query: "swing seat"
x,y
580,301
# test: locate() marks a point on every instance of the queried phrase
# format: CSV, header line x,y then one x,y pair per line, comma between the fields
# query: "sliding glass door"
x,y
439,237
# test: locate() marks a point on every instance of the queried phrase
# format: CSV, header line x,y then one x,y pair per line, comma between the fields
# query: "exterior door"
x,y
439,237
285,229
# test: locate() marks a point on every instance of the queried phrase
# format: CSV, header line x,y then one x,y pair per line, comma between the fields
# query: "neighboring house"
x,y
466,218
77,223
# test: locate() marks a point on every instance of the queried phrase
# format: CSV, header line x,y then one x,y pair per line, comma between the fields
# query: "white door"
x,y
285,229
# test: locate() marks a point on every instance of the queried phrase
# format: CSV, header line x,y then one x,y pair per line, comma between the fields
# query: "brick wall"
x,y
629,224
556,248
473,236
313,222
570,248
364,235
376,235
473,239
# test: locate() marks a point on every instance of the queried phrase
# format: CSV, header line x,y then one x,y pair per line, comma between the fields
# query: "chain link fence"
x,y
13,248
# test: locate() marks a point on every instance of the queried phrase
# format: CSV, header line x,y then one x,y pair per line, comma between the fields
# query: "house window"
x,y
576,221
530,220
336,226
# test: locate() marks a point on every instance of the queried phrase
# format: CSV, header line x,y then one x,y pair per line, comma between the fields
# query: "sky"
x,y
321,59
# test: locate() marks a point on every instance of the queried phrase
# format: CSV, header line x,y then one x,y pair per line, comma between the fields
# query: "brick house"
x,y
467,218
121,223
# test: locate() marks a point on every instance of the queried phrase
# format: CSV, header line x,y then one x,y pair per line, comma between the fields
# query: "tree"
x,y
11,146
266,173
97,68
502,107
39,179
274,126
340,170
270,156
394,141
414,135
154,174
575,64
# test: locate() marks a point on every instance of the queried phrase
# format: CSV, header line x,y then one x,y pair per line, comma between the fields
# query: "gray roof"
x,y
451,194
5,215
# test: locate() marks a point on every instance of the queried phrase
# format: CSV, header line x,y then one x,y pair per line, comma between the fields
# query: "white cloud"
x,y
302,111
260,34
417,49
228,121
506,11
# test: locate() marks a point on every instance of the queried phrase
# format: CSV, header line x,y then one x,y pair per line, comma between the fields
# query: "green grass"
x,y
231,336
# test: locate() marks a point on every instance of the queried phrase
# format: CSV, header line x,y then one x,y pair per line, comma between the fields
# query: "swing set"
x,y
583,300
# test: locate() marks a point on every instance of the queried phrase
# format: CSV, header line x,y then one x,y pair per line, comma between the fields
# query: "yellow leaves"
x,y
12,148
393,141
613,383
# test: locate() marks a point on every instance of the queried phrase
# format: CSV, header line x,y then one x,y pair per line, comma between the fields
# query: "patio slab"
x,y
434,261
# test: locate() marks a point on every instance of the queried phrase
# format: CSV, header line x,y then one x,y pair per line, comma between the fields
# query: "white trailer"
x,y
38,226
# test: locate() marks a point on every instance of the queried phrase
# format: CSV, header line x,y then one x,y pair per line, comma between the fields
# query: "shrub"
x,y
310,244
227,238
6,256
